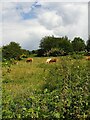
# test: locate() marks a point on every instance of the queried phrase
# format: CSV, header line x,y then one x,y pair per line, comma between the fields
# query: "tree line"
x,y
53,46
49,46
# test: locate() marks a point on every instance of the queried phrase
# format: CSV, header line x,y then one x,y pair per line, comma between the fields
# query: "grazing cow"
x,y
29,60
88,58
51,60
48,60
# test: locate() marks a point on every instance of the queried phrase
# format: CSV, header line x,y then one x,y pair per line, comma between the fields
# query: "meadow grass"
x,y
39,81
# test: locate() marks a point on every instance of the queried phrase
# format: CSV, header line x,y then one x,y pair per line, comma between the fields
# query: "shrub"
x,y
55,52
77,56
63,96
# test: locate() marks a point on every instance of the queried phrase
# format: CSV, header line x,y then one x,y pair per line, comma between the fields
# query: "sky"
x,y
28,22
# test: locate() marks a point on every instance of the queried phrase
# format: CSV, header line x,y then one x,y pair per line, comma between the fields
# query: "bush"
x,y
67,89
55,52
77,56
64,95
87,54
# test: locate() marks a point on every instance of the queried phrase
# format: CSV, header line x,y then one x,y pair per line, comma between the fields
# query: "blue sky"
x,y
27,22
30,14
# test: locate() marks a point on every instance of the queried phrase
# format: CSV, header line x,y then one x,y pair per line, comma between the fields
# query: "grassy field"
x,y
46,91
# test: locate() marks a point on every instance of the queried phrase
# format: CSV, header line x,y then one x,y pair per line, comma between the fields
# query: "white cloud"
x,y
72,17
51,19
75,21
27,33
45,0
0,24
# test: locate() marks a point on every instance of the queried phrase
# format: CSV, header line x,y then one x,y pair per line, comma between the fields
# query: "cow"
x,y
51,60
88,58
48,60
29,60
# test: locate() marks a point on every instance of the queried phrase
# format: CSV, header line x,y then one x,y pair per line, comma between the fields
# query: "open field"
x,y
47,91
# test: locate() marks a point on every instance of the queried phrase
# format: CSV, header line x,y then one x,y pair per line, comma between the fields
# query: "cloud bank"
x,y
27,22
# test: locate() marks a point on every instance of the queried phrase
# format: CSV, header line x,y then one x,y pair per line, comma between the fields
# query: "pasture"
x,y
46,91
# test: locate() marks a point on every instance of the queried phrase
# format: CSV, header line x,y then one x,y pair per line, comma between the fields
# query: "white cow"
x,y
48,60
51,60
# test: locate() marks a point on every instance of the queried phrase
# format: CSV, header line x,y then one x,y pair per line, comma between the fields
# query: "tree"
x,y
50,42
78,44
40,52
47,43
65,45
88,44
13,50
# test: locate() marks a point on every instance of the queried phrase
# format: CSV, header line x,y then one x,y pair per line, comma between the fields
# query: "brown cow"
x,y
29,60
88,58
51,60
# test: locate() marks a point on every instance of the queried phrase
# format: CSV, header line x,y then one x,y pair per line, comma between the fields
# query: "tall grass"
x,y
47,91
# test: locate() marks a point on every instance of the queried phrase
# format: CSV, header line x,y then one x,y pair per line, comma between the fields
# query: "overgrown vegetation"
x,y
88,45
14,51
49,46
61,46
47,91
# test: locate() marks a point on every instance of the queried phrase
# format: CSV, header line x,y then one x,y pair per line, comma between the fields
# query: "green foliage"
x,y
65,44
49,43
55,52
78,44
14,51
88,44
63,92
40,52
25,53
77,56
11,51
